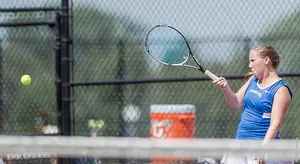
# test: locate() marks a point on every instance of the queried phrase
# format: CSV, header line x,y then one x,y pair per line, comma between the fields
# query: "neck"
x,y
269,76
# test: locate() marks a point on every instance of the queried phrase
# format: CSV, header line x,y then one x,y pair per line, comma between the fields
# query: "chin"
x,y
257,76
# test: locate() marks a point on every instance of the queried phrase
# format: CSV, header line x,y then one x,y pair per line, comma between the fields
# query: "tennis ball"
x,y
91,123
100,124
25,79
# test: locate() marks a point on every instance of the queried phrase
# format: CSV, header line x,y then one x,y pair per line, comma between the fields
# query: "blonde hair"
x,y
269,51
247,76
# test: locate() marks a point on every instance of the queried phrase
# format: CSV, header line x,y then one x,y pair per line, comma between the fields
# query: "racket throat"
x,y
201,69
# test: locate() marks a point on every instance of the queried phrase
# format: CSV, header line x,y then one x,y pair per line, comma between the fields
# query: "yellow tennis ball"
x,y
25,79
91,123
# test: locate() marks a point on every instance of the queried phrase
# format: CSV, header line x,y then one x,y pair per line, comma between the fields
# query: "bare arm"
x,y
282,101
233,100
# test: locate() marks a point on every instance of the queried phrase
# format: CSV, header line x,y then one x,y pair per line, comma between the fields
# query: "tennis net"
x,y
140,149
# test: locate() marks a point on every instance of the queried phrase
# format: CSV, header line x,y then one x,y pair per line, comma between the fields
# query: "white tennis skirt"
x,y
250,159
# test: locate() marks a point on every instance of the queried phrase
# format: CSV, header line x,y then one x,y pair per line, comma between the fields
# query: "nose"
x,y
250,65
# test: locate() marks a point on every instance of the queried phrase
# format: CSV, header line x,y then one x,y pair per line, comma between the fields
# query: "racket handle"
x,y
210,75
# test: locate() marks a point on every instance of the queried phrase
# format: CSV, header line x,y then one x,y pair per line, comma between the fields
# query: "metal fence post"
x,y
65,74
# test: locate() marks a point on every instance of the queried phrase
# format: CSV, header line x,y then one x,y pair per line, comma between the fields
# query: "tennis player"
x,y
264,99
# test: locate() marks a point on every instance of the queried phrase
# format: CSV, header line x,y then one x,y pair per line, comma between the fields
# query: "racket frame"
x,y
200,67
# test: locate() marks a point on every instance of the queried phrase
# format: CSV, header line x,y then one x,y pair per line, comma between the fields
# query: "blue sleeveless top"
x,y
256,113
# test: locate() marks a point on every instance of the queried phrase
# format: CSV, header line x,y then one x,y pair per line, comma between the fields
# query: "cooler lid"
x,y
172,108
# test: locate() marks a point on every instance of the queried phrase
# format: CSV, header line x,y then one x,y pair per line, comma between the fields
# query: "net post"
x,y
65,75
58,71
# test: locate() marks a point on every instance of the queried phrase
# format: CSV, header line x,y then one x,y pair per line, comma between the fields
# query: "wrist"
x,y
227,89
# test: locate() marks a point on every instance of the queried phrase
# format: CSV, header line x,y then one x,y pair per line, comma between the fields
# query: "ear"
x,y
267,60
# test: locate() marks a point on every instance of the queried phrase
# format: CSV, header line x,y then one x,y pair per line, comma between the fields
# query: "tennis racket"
x,y
168,46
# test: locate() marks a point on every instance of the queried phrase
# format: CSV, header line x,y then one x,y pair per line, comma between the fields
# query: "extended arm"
x,y
233,100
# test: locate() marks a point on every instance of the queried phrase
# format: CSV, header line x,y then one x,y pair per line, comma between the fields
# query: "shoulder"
x,y
283,96
252,80
283,89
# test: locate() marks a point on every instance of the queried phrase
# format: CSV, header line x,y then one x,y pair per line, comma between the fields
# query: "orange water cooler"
x,y
172,121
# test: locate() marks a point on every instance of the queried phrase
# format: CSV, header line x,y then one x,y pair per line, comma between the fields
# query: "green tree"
x,y
27,51
104,48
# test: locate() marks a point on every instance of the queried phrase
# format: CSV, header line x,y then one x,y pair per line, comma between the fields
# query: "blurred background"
x,y
108,45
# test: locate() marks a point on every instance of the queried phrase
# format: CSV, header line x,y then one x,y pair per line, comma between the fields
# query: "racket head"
x,y
167,45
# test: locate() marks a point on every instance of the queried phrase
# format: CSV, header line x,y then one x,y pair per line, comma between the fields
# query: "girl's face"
x,y
257,64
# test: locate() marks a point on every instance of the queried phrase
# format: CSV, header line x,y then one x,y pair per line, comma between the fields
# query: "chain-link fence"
x,y
27,48
108,47
108,39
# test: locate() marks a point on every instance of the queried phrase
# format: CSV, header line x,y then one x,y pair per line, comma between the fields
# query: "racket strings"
x,y
167,45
